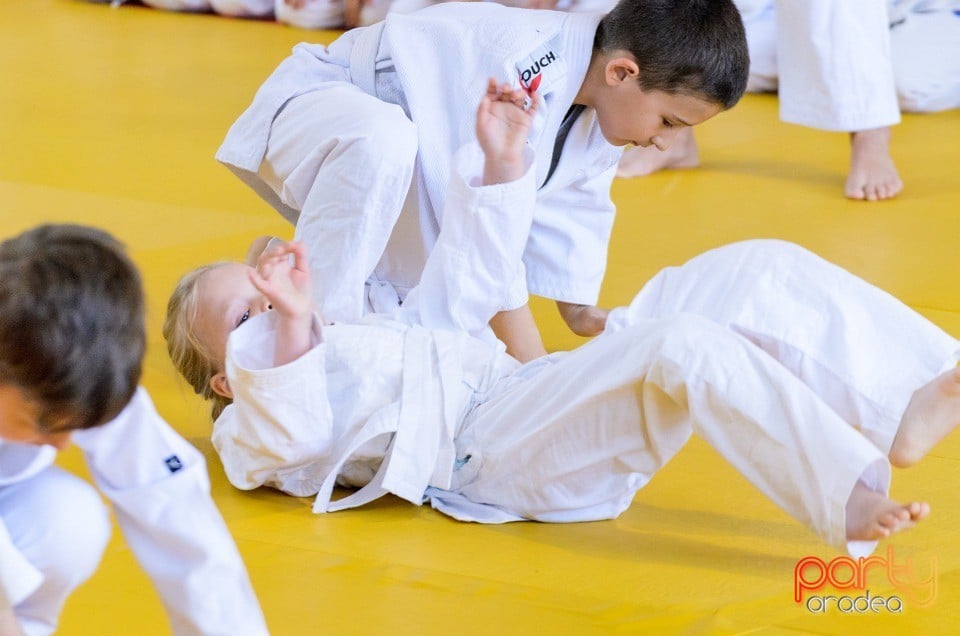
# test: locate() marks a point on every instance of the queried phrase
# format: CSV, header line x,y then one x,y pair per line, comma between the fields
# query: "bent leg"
x,y
60,526
857,347
345,160
836,74
573,437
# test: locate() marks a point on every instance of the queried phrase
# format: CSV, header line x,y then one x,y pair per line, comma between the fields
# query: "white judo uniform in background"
x,y
839,66
377,10
794,370
233,8
328,141
54,528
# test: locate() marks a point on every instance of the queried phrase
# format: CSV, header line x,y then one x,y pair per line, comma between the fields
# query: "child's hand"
x,y
583,320
287,286
504,119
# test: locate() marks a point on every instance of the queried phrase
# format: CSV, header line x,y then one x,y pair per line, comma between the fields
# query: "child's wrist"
x,y
502,169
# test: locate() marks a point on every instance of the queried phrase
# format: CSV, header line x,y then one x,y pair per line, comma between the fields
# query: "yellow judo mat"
x,y
111,117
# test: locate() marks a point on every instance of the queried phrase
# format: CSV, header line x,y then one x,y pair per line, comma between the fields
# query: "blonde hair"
x,y
191,357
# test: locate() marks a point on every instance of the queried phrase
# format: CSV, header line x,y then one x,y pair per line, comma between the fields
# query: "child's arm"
x,y
518,330
160,491
288,287
477,256
281,418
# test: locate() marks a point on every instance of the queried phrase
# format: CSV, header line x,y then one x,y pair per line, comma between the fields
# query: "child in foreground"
x,y
72,339
808,380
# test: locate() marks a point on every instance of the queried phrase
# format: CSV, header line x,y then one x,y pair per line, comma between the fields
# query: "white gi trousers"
x,y
831,59
926,55
840,66
794,370
53,531
367,150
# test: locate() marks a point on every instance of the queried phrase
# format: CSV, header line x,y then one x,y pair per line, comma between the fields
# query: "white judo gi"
x,y
233,8
377,10
794,370
54,527
838,65
337,160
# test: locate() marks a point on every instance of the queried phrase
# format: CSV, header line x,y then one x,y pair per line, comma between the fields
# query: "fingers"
x,y
299,252
504,92
534,104
277,259
260,283
280,251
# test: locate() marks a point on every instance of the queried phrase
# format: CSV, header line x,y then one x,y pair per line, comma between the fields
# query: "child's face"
x,y
20,421
629,115
226,299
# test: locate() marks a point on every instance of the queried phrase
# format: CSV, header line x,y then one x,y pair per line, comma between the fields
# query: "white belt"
x,y
363,58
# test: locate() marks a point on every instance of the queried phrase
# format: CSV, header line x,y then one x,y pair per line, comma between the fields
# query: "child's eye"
x,y
667,124
244,318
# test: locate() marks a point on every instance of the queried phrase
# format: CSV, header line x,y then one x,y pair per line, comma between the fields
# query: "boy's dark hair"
x,y
72,332
692,47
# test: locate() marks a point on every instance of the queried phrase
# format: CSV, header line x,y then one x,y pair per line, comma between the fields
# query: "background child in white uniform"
x,y
337,134
838,66
232,8
71,343
797,372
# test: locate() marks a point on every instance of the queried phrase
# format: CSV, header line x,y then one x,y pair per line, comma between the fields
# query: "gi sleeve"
x,y
18,577
475,266
160,491
280,423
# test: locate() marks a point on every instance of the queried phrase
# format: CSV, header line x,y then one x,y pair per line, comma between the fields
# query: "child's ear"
x,y
620,69
220,385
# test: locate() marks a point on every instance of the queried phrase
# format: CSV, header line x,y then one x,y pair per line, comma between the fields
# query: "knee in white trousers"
x,y
339,129
61,527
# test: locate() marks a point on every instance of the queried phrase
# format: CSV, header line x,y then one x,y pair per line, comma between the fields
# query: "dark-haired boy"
x,y
335,135
72,340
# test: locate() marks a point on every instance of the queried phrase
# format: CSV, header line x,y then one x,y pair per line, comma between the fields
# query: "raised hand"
x,y
504,118
286,285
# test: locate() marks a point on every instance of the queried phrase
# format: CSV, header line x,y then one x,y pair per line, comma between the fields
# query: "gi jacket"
x,y
435,63
378,404
160,492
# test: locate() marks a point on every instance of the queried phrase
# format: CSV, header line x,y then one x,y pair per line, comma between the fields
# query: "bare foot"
x,y
583,320
934,411
872,516
873,175
639,161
